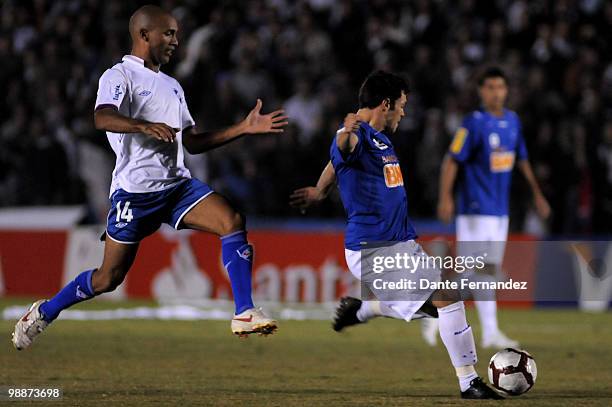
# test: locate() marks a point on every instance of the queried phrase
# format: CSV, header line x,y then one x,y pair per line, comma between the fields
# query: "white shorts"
x,y
403,309
489,232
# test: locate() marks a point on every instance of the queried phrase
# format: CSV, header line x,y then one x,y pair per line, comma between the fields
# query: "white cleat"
x,y
253,321
498,341
29,326
429,330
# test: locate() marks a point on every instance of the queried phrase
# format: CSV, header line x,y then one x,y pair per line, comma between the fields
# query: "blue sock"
x,y
238,260
77,290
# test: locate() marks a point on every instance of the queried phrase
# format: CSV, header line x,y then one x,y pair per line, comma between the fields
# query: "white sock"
x,y
485,303
487,312
373,309
367,311
465,374
457,336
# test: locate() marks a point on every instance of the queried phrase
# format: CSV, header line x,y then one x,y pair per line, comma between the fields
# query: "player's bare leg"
x,y
215,215
118,259
458,339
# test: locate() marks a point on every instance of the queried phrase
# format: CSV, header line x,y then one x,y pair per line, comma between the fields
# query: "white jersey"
x,y
145,164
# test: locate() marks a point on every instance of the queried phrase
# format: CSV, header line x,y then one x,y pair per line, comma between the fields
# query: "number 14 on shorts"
x,y
124,214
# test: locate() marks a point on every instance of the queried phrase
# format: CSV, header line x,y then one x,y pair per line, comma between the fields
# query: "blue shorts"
x,y
134,216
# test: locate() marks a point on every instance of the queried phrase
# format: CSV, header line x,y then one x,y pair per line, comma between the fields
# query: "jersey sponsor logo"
x,y
393,175
458,140
501,161
118,92
389,159
145,93
379,144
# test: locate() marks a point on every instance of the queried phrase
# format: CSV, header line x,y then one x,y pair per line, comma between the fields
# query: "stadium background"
x,y
310,57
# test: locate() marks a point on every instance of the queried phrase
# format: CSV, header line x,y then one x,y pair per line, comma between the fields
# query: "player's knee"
x,y
107,280
443,298
232,223
442,303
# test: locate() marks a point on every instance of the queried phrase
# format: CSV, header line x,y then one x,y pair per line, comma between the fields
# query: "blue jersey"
x,y
486,147
372,190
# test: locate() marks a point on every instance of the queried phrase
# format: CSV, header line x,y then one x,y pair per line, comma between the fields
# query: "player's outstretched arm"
x,y
254,123
540,202
308,196
448,174
346,139
109,119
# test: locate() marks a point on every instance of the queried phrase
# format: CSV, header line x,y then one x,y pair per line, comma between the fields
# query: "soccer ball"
x,y
512,372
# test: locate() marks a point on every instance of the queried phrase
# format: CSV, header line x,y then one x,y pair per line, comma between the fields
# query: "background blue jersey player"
x,y
372,190
479,163
147,122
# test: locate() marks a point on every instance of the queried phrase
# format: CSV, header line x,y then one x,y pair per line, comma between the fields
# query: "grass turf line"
x,y
384,362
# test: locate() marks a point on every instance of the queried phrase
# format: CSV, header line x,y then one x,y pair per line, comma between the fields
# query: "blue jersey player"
x,y
479,163
368,175
147,122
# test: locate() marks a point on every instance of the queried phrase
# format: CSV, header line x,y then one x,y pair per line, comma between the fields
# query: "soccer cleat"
x,y
479,390
253,321
346,313
498,341
29,326
429,330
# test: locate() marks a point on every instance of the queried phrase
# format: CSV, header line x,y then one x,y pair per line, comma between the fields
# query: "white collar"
x,y
138,61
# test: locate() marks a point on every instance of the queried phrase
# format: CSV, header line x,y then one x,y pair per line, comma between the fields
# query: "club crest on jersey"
x,y
246,253
379,144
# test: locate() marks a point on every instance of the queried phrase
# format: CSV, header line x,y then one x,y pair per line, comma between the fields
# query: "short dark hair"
x,y
381,85
492,72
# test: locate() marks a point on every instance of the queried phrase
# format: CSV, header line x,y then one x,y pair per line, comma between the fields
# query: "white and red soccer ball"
x,y
512,372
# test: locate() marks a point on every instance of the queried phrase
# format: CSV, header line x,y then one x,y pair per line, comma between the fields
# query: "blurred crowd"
x,y
310,57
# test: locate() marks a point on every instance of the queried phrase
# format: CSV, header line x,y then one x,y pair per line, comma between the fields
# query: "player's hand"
x,y
159,131
256,122
542,206
305,197
352,122
446,209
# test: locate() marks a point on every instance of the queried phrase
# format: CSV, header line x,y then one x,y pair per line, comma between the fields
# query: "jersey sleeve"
x,y
357,152
521,148
464,140
112,88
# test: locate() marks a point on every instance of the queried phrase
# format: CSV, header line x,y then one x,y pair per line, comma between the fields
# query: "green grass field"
x,y
384,362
